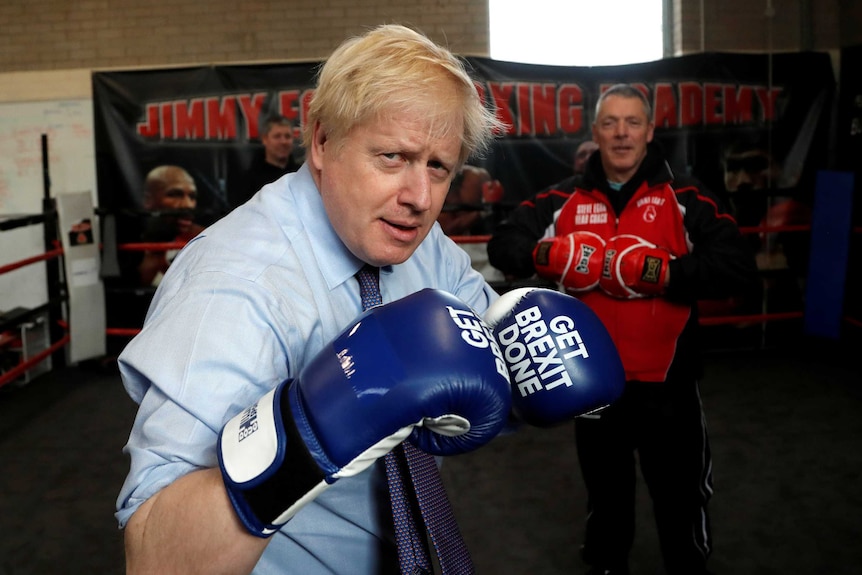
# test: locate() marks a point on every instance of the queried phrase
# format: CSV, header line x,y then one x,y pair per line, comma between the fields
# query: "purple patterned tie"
x,y
434,506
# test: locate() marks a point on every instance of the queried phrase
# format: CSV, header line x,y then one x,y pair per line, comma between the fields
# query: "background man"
x,y
171,194
276,135
463,210
759,197
640,246
582,154
468,211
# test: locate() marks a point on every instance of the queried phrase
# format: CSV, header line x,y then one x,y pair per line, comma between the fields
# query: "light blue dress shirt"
x,y
243,307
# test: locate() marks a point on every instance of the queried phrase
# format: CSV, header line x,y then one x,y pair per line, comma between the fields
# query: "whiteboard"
x,y
71,151
68,125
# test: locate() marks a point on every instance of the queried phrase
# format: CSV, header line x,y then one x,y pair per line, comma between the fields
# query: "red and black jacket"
x,y
655,336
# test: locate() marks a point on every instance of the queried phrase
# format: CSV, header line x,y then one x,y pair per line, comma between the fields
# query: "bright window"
x,y
576,32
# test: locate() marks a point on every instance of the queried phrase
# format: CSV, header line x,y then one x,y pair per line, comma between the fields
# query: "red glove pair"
x,y
627,266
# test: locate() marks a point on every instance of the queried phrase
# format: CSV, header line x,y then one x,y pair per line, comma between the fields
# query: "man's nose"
x,y
743,178
417,188
621,130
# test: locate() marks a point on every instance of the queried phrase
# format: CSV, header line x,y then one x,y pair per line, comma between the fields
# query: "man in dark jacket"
x,y
277,137
640,246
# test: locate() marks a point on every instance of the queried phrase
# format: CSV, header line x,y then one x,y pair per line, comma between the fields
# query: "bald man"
x,y
172,190
465,192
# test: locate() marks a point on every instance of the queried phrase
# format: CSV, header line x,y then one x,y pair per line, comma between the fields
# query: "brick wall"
x,y
48,46
765,25
57,34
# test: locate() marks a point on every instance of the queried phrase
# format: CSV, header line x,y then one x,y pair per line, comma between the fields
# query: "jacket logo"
x,y
650,214
594,213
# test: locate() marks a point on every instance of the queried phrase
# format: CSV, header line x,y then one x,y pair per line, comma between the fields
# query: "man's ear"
x,y
319,142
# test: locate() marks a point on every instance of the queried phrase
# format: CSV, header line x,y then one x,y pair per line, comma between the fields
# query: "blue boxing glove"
x,y
424,367
562,362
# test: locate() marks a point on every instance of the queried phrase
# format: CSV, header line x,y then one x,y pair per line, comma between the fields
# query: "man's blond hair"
x,y
392,68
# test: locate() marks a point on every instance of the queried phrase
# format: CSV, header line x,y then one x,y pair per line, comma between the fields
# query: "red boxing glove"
x,y
574,260
634,267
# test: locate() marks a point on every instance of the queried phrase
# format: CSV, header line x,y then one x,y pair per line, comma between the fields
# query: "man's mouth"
x,y
401,231
405,227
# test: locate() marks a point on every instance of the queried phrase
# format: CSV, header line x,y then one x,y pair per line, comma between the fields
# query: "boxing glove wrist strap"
x,y
267,468
281,468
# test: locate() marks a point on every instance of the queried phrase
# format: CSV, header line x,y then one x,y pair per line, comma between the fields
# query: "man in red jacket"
x,y
640,246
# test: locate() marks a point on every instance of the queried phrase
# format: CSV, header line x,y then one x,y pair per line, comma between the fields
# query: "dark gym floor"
x,y
785,426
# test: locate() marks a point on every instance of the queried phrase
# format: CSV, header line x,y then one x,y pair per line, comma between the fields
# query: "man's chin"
x,y
390,256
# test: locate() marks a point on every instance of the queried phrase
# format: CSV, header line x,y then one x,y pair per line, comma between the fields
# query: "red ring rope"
x,y
27,261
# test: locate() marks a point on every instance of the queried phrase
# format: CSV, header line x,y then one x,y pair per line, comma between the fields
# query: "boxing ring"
x,y
830,243
17,322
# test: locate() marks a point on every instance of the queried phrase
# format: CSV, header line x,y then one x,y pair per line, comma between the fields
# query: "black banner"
x,y
206,119
753,123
